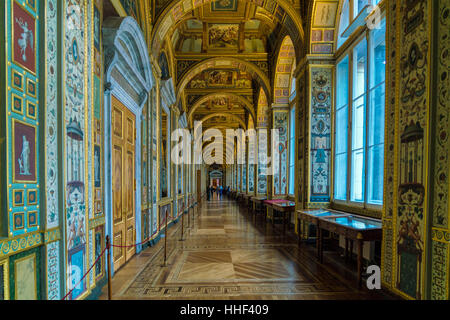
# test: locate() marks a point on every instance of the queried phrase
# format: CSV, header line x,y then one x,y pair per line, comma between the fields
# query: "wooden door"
x,y
123,182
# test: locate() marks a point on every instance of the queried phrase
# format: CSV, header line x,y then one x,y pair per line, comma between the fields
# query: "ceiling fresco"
x,y
224,53
221,79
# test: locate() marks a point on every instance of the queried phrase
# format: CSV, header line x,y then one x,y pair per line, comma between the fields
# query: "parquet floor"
x,y
226,255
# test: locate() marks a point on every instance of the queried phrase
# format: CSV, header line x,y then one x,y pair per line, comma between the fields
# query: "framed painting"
x,y
32,199
24,152
17,80
97,167
325,14
18,196
16,104
31,110
18,223
31,88
23,37
226,6
25,279
32,219
223,36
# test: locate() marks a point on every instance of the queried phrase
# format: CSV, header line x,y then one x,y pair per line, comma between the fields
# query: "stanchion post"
x,y
182,224
108,248
165,242
189,217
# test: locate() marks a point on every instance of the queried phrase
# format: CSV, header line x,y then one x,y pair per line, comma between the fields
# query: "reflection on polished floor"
x,y
226,255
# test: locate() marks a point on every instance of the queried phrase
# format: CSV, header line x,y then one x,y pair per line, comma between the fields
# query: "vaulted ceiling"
x,y
222,55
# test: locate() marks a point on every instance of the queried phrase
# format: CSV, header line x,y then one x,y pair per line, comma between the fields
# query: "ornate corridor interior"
x,y
313,138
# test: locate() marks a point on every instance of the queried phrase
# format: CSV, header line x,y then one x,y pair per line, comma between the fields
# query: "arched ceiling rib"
x,y
207,98
224,63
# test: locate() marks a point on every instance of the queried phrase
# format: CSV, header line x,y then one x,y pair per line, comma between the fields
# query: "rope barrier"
x,y
108,246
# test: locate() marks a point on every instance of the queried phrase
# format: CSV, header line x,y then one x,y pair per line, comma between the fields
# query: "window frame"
x,y
291,146
347,50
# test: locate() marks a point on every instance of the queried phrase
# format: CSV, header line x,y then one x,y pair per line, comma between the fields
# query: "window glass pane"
x,y
378,55
357,185
358,5
377,116
341,130
340,177
375,182
342,83
359,69
358,121
376,123
344,22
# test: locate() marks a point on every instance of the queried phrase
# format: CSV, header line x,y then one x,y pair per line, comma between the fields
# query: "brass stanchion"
x,y
165,242
108,247
182,225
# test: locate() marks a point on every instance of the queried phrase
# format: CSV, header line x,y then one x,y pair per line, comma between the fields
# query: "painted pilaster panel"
x,y
75,141
51,155
320,134
279,161
410,243
440,233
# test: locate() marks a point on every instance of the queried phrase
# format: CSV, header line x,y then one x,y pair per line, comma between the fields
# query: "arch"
x,y
221,114
125,47
129,78
177,9
223,63
283,72
247,104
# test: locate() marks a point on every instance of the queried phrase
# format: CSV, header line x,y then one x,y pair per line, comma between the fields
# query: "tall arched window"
x,y
359,112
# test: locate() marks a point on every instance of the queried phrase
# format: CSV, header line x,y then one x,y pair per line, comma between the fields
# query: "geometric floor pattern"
x,y
226,255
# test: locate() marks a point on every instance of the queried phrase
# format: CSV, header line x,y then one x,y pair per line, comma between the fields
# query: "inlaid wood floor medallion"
x,y
226,256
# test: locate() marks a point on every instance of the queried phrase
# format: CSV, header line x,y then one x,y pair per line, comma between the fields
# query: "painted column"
x,y
416,235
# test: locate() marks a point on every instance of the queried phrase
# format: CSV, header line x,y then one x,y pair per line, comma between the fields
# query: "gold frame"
x,y
13,38
14,220
35,110
23,198
32,7
35,88
13,97
314,12
28,219
5,264
30,256
13,73
28,197
13,137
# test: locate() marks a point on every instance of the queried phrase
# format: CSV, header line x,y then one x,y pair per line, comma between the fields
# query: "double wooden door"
x,y
123,182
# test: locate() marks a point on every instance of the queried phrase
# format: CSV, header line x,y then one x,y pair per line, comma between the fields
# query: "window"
x,y
340,189
344,22
292,151
352,11
359,119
